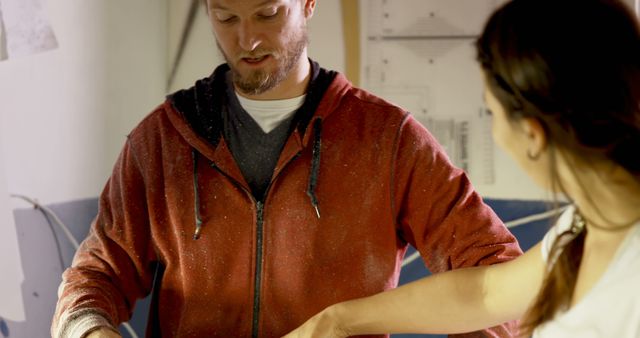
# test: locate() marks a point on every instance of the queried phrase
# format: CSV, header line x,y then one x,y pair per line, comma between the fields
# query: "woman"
x,y
563,83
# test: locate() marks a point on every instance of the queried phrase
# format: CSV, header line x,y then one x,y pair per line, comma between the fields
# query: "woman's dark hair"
x,y
574,66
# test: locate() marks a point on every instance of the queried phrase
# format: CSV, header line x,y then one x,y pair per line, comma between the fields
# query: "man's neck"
x,y
294,85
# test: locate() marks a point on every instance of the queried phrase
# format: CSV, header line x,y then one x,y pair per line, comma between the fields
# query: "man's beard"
x,y
260,81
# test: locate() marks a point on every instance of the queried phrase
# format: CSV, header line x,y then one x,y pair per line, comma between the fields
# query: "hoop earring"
x,y
531,156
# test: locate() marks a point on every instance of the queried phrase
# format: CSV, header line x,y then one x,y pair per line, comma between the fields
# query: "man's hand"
x,y
323,325
103,333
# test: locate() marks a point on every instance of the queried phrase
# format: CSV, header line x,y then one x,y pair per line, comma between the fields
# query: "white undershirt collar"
x,y
268,114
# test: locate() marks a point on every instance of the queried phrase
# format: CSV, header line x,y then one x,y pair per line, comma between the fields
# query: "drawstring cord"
x,y
311,187
196,195
315,165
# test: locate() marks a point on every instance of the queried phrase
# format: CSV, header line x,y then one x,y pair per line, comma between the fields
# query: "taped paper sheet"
x,y
25,28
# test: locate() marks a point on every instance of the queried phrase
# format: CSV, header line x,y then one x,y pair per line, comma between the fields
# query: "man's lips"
x,y
255,60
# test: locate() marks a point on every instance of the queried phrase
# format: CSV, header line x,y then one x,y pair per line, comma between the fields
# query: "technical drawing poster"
x,y
420,54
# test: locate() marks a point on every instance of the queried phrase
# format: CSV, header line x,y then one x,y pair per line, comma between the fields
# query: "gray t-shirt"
x,y
255,151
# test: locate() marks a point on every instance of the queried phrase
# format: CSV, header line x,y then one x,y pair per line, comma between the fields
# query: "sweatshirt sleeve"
x,y
442,216
114,265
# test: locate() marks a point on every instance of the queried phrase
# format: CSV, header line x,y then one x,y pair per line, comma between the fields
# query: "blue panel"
x,y
45,252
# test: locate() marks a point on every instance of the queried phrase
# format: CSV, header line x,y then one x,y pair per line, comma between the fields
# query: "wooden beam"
x,y
351,31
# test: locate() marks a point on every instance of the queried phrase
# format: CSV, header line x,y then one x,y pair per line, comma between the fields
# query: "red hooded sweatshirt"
x,y
355,184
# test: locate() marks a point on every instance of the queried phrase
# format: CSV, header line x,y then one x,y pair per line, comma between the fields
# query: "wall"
x,y
201,54
11,305
64,114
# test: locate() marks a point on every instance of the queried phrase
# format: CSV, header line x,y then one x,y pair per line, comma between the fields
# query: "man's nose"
x,y
248,36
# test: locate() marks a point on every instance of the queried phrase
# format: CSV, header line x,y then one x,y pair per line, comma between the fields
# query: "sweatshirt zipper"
x,y
259,229
258,274
259,241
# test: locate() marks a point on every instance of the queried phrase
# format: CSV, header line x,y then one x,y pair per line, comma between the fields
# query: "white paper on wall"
x,y
420,54
26,28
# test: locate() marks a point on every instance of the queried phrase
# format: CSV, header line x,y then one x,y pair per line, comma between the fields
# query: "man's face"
x,y
262,41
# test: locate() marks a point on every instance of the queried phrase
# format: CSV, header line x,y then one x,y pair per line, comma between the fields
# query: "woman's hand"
x,y
325,324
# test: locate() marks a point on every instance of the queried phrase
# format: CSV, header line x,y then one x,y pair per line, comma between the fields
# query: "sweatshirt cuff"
x,y
80,326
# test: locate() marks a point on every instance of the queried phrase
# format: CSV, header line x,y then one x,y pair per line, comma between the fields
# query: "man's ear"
x,y
536,135
309,7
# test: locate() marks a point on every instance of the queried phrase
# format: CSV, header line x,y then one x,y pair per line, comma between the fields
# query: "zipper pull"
x,y
260,208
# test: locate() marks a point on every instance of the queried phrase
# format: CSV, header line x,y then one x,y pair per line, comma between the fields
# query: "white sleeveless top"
x,y
612,307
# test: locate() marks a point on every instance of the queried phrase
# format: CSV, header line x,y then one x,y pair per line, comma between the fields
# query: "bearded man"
x,y
266,192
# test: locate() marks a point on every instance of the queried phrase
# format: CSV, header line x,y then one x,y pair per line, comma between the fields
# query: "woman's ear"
x,y
536,136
